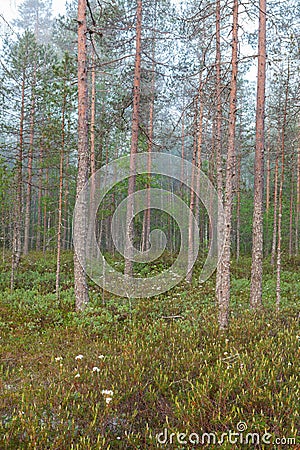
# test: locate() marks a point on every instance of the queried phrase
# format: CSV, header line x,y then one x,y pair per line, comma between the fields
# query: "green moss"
x,y
181,374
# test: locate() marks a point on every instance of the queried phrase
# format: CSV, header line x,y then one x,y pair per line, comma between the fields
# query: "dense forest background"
x,y
38,108
196,100
215,83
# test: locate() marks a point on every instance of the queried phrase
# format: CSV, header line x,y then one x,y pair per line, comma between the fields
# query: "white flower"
x,y
101,356
108,400
226,340
107,392
79,357
77,375
58,358
96,369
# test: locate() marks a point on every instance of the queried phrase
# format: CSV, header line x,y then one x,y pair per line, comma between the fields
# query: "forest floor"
x,y
122,375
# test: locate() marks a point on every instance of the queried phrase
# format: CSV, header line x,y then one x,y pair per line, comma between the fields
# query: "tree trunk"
x,y
298,201
194,203
40,194
257,225
279,244
80,282
274,238
29,171
134,141
60,197
268,191
218,138
45,210
147,213
16,253
268,177
188,277
93,114
238,208
291,210
223,291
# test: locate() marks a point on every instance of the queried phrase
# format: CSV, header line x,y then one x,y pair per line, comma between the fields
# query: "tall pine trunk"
x,y
257,225
80,282
223,290
134,141
218,137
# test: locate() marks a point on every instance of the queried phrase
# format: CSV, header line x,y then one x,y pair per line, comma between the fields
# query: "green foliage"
x,y
179,374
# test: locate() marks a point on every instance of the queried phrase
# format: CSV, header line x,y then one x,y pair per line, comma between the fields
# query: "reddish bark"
x,y
80,283
134,138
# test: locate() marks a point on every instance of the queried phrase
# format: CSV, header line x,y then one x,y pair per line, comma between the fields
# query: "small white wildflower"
x,y
96,369
77,375
79,357
289,364
118,437
58,358
101,356
226,340
268,325
108,400
225,353
107,392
